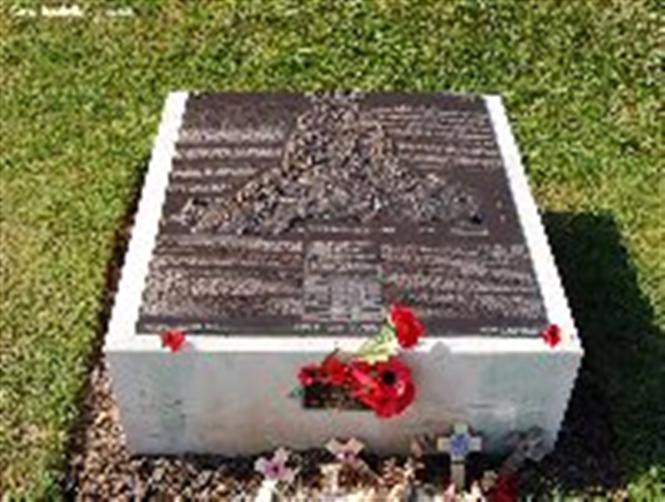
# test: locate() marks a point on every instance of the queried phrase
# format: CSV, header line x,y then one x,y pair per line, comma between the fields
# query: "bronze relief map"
x,y
309,214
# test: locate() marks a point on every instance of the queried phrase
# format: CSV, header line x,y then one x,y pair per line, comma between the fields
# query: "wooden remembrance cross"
x,y
458,445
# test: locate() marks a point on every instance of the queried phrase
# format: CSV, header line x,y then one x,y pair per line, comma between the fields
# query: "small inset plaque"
x,y
342,282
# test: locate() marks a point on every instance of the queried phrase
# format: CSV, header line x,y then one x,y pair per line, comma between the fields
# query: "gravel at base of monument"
x,y
101,467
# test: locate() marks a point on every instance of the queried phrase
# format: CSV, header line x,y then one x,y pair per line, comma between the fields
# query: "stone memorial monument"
x,y
276,228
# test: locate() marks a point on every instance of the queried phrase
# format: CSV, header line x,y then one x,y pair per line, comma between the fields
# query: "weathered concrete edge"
x,y
554,296
121,329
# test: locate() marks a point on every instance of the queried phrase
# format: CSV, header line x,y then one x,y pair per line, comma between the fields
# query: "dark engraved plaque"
x,y
309,214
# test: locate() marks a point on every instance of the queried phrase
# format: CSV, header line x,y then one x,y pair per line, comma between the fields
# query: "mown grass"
x,y
80,103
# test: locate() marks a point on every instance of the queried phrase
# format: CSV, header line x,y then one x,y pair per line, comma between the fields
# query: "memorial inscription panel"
x,y
291,214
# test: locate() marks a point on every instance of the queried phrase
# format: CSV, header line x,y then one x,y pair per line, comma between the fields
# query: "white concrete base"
x,y
235,402
228,395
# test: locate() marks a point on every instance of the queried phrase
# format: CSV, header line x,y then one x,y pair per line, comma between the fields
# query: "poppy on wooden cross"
x,y
458,445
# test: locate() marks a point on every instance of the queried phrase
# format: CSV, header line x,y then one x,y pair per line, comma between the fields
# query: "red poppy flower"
x,y
506,489
397,385
552,335
408,327
386,388
309,375
362,378
334,371
173,339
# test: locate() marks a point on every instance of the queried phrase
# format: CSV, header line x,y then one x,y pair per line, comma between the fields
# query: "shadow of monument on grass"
x,y
613,429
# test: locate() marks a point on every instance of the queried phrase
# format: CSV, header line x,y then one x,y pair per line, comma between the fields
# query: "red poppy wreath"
x,y
374,377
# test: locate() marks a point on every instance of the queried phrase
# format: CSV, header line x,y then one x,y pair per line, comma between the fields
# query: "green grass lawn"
x,y
79,105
